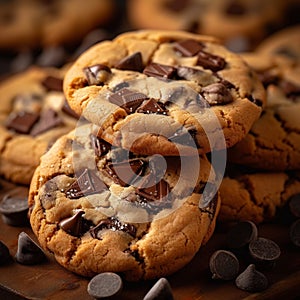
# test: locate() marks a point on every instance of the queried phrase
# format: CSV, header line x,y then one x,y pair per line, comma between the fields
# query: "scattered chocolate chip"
x,y
97,74
160,290
210,61
216,94
294,205
295,233
86,184
127,99
160,71
151,106
112,224
251,280
28,253
176,5
105,285
22,122
235,8
100,146
52,83
48,119
69,111
241,234
14,210
4,254
188,48
223,265
133,62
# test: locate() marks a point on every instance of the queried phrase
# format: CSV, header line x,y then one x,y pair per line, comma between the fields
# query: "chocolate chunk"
x,y
133,62
112,224
105,285
290,89
100,146
256,101
160,290
52,83
295,233
210,61
267,78
188,48
208,201
127,99
193,74
48,119
224,265
124,173
251,280
185,136
241,234
155,192
236,8
22,122
28,253
14,210
216,94
160,71
176,5
69,111
151,106
294,205
97,74
86,184
4,254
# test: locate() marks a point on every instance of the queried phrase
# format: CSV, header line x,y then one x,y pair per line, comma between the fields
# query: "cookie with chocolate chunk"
x,y
33,114
273,142
100,208
166,92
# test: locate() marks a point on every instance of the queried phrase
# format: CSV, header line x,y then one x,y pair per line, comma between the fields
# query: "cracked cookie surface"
x,y
100,208
273,142
147,89
33,114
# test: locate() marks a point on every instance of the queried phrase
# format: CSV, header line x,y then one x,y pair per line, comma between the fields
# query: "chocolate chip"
x,y
184,136
155,192
160,71
49,119
294,205
188,48
4,254
14,210
295,233
267,78
241,234
133,62
96,74
52,83
235,8
210,61
100,146
176,5
290,89
216,94
151,106
160,290
86,184
127,99
22,122
105,285
251,280
28,253
113,224
69,111
223,265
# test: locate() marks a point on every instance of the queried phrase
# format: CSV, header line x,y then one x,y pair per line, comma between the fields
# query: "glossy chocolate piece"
x,y
133,62
52,83
188,48
100,146
216,94
74,225
160,290
160,71
4,254
96,74
151,106
210,61
22,122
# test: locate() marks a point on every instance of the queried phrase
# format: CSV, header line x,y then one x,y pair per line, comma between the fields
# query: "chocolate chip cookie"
x,y
33,114
273,143
100,208
166,92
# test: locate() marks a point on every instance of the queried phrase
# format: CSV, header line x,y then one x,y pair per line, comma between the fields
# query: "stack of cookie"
x,y
263,173
132,188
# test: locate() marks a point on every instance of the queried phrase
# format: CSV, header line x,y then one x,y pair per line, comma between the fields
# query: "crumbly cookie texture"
x,y
94,217
37,23
33,114
273,143
256,196
147,89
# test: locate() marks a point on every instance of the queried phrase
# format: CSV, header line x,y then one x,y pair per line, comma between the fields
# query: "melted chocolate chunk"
x,y
112,224
159,70
127,99
210,61
151,106
100,146
48,119
257,102
188,48
69,111
155,192
52,83
185,137
96,74
176,5
86,184
216,93
22,122
133,62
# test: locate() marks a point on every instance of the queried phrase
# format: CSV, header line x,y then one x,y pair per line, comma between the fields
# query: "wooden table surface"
x,y
50,281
